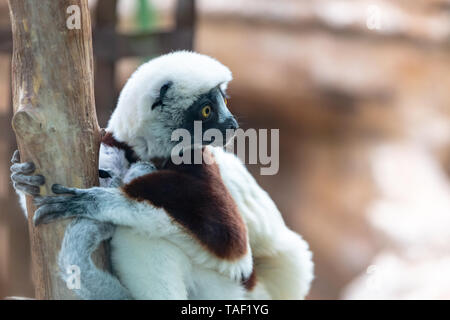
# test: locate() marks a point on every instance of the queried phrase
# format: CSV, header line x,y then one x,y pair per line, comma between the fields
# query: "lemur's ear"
x,y
162,93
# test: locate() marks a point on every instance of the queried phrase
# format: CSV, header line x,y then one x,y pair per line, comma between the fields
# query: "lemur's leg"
x,y
24,183
81,238
151,269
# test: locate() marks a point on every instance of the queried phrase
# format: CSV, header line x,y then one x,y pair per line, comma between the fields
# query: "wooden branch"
x,y
54,121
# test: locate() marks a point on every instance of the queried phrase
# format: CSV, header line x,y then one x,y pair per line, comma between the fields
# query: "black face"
x,y
212,111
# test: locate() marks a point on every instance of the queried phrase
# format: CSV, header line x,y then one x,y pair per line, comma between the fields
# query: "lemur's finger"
x,y
41,201
48,213
28,189
59,189
25,168
16,157
37,180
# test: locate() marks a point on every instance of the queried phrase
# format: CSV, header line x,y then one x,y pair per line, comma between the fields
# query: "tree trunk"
x,y
55,120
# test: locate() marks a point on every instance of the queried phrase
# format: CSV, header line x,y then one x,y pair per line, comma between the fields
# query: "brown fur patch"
x,y
109,140
195,196
250,283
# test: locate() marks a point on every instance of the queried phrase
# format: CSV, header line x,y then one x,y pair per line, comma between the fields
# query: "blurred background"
x,y
360,91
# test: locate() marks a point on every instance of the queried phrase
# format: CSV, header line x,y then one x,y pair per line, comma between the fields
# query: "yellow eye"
x,y
226,101
206,112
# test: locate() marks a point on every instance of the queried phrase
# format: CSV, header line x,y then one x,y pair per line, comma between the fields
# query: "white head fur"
x,y
146,130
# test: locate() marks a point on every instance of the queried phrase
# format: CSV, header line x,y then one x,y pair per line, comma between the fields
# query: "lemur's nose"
x,y
232,123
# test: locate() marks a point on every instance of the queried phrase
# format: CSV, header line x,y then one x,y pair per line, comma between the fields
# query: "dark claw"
x,y
59,189
40,179
16,157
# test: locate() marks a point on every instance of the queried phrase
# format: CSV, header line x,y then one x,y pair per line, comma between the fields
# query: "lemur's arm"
x,y
82,236
25,183
98,203
109,205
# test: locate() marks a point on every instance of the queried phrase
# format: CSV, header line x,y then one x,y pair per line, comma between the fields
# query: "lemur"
x,y
188,231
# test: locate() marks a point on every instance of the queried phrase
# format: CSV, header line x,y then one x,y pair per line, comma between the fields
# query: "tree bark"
x,y
55,120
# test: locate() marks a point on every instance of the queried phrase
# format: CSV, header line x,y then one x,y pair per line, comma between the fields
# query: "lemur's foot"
x,y
21,176
51,208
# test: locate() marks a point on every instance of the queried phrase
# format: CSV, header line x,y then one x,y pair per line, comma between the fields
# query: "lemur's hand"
x,y
76,203
21,176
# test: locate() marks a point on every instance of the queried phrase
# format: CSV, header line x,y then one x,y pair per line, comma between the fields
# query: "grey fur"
x,y
81,239
138,169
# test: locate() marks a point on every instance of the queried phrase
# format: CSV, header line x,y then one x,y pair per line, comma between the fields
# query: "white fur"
x,y
134,122
151,268
22,202
282,258
114,161
162,268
